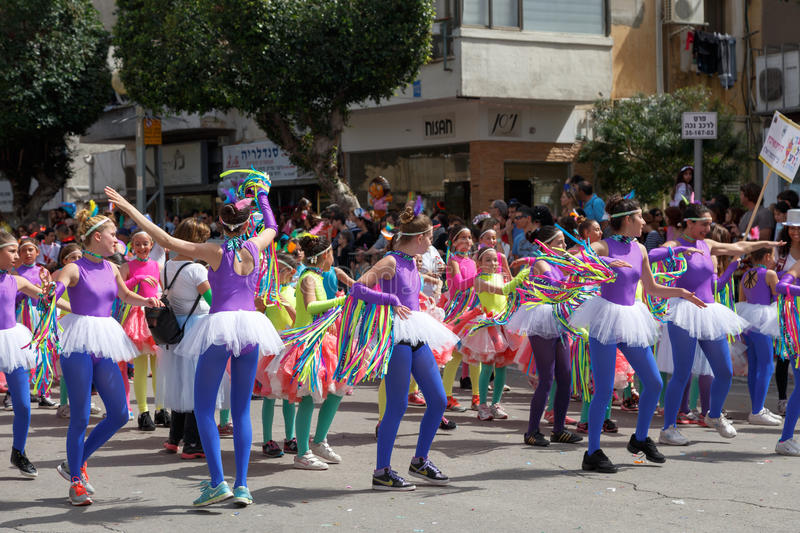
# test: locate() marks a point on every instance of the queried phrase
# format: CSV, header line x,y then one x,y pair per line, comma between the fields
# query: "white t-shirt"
x,y
431,260
48,253
184,292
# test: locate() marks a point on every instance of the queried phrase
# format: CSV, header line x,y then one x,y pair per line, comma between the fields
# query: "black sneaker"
x,y
648,448
47,403
271,450
20,460
598,462
7,403
389,480
290,446
426,470
465,383
609,426
536,439
162,418
145,422
192,451
566,437
444,424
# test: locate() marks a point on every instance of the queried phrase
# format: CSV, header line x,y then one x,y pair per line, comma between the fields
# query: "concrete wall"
x,y
633,27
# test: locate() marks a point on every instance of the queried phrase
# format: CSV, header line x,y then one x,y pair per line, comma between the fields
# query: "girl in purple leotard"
x,y
787,445
416,334
615,319
233,330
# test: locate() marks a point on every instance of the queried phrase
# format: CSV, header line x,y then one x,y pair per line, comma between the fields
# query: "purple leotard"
x,y
622,290
234,292
761,293
96,289
699,274
8,293
30,273
405,283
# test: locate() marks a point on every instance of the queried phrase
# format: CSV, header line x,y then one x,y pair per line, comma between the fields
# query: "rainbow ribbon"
x,y
45,342
788,323
459,304
666,273
366,339
308,365
500,319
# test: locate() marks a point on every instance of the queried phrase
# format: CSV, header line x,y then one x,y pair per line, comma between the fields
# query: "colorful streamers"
x,y
665,273
309,338
45,342
366,339
458,305
788,324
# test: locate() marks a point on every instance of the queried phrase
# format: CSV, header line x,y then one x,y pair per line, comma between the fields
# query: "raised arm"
x,y
263,239
739,248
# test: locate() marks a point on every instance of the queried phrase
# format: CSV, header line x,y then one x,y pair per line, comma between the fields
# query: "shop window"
x,y
536,183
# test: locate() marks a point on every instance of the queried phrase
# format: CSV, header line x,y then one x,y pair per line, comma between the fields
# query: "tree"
x,y
295,66
637,144
54,82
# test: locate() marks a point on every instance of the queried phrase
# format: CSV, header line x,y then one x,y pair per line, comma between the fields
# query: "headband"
x,y
232,227
553,236
313,258
483,250
10,243
462,230
29,243
405,234
143,231
625,213
697,219
102,221
284,263
484,233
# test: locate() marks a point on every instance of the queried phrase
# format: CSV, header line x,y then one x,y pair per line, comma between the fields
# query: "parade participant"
x,y
189,295
788,285
488,238
461,272
92,344
788,255
615,319
757,288
709,325
492,347
416,334
15,361
142,275
69,253
233,330
550,348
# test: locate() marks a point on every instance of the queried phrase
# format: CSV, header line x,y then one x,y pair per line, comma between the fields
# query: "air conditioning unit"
x,y
778,81
684,12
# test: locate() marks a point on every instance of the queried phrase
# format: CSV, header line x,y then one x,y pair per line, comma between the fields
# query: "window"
x,y
563,16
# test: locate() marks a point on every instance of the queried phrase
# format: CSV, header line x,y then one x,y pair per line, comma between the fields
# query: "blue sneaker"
x,y
242,497
213,494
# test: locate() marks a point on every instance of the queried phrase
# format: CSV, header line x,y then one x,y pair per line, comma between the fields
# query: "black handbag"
x,y
162,321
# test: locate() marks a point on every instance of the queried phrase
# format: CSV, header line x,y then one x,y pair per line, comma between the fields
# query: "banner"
x,y
781,151
265,156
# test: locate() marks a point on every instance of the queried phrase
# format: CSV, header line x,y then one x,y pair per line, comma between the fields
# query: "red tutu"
x,y
278,381
135,327
492,345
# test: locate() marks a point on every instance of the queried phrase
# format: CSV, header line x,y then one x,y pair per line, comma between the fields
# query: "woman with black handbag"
x,y
189,297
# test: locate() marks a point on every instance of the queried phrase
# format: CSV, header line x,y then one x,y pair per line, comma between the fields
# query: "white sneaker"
x,y
325,452
62,411
484,412
777,417
309,461
788,447
762,418
782,407
498,413
722,425
94,409
672,437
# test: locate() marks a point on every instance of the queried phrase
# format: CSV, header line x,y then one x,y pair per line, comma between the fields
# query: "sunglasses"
x,y
519,217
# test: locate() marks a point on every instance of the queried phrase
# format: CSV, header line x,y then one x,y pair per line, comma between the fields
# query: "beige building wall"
x,y
633,30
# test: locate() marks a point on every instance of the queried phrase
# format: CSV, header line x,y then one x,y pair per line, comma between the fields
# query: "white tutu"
x,y
12,353
665,363
175,383
536,320
761,318
612,323
233,329
710,323
101,336
420,328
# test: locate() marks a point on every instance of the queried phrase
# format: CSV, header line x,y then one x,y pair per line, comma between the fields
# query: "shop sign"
x,y
505,123
440,126
265,156
152,131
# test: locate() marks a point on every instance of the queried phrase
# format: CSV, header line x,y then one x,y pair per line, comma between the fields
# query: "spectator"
x,y
651,236
365,229
592,205
658,217
523,221
682,191
791,197
732,217
499,210
569,201
748,194
718,205
49,250
361,264
780,211
344,239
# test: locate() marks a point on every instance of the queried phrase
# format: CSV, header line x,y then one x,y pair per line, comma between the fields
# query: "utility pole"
x,y
140,160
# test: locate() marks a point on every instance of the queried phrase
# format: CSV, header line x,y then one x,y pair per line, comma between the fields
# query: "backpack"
x,y
162,321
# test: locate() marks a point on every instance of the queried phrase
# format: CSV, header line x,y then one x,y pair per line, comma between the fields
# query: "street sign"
x,y
152,131
699,125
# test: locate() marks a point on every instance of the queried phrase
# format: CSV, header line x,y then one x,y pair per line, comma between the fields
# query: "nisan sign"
x,y
440,126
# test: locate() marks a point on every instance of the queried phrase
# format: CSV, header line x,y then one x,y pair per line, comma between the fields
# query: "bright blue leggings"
x,y
683,348
403,363
18,388
760,351
210,368
792,407
80,370
603,359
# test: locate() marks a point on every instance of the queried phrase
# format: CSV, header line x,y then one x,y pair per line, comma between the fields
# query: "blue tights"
x,y
760,350
792,407
404,362
17,381
603,360
80,370
683,349
210,368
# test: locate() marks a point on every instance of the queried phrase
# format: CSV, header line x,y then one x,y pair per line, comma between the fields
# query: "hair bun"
x,y
407,215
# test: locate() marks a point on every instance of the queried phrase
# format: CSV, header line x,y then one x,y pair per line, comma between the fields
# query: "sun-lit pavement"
x,y
498,483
